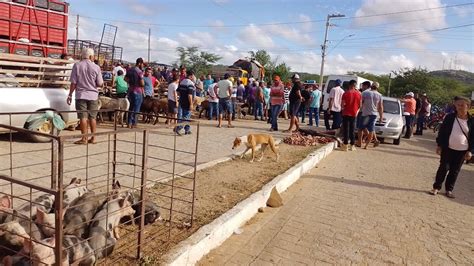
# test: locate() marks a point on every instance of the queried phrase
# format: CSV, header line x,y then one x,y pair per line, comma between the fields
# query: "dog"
x,y
253,140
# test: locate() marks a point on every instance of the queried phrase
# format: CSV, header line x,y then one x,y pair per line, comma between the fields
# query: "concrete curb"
x,y
212,235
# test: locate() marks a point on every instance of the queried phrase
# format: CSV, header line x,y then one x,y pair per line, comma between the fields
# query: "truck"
x,y
251,66
32,77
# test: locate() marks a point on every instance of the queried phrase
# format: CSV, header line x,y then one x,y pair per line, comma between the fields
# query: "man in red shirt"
x,y
351,101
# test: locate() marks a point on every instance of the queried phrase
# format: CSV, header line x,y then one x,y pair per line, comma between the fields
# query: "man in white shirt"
x,y
224,92
213,100
335,100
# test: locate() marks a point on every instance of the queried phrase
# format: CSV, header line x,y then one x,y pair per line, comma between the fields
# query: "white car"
x,y
393,124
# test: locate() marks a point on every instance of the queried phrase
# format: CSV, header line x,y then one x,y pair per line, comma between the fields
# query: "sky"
x,y
376,36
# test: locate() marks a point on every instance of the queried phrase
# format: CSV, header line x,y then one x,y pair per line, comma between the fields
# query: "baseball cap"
x,y
295,76
411,94
338,82
375,84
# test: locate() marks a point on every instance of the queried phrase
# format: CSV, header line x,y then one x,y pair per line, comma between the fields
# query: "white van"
x,y
331,82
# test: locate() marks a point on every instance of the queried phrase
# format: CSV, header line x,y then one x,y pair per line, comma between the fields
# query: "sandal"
x,y
80,142
92,141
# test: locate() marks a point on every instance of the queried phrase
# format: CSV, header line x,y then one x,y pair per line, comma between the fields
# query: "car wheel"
x,y
43,128
397,141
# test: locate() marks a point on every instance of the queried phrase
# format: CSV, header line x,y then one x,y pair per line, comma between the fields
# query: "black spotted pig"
x,y
152,212
12,237
80,213
76,251
103,230
44,202
73,191
16,260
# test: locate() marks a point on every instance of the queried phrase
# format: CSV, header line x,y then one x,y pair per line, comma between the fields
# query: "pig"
x,y
76,251
73,191
103,230
44,202
152,212
16,260
80,212
12,236
7,214
46,222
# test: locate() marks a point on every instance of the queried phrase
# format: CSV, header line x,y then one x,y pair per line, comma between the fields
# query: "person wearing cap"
x,y
85,79
224,92
136,91
295,102
409,112
372,104
424,112
335,99
455,142
185,92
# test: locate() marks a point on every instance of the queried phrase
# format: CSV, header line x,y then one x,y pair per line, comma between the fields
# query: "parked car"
x,y
393,124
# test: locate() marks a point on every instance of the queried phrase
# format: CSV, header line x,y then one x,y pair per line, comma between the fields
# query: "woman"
x,y
455,142
277,100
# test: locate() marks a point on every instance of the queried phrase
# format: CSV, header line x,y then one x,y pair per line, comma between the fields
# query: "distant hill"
x,y
460,75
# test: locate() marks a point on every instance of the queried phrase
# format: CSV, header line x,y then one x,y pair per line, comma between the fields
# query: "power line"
x,y
269,24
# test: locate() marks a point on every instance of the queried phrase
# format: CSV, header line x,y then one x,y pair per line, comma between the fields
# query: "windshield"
x,y
391,107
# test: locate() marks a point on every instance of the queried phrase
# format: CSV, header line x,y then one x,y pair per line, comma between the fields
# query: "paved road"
x,y
363,207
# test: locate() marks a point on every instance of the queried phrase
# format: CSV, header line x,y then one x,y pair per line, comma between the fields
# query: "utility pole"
x,y
389,83
149,37
77,27
324,46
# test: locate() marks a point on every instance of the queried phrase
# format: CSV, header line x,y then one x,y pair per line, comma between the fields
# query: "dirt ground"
x,y
218,189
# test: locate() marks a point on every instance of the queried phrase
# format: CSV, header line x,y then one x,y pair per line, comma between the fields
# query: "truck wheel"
x,y
44,128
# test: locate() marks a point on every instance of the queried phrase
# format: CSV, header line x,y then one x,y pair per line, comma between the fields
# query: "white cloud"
x,y
307,25
220,2
255,36
290,34
196,38
404,23
140,8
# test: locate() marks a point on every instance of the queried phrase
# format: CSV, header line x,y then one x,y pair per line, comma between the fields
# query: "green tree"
x,y
196,60
262,57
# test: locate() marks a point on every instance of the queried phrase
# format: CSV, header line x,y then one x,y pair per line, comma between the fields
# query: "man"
x,y
423,113
314,104
409,113
350,105
119,66
150,82
361,134
224,91
173,98
335,99
185,92
372,105
86,77
295,102
199,86
207,82
136,92
213,100
306,93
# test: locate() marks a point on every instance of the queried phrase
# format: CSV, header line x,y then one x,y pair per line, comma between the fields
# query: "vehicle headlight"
x,y
394,123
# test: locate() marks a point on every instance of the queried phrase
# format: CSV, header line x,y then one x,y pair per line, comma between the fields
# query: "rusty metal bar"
x,y
114,160
27,184
195,171
22,130
142,193
59,205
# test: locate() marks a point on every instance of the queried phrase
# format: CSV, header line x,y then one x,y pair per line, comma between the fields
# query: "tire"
x,y
397,141
45,128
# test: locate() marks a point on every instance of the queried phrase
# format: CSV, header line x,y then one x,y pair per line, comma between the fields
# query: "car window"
x,y
391,107
331,84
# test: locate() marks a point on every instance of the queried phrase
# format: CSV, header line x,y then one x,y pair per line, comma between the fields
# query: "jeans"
x,y
409,125
420,122
315,111
184,114
258,110
336,120
136,100
302,111
275,111
348,129
213,108
451,161
327,115
234,108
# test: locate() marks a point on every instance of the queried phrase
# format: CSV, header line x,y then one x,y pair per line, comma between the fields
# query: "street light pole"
x,y
324,46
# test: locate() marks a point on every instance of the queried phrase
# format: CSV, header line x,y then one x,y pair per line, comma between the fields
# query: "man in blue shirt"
x,y
314,104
